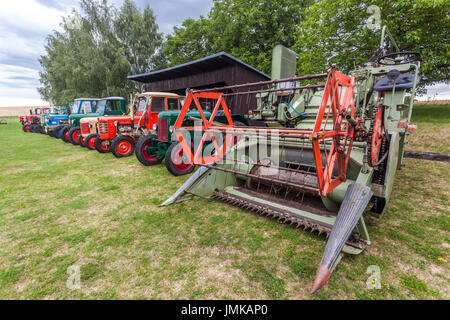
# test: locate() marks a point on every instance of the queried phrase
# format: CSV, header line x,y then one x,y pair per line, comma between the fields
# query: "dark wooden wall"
x,y
225,76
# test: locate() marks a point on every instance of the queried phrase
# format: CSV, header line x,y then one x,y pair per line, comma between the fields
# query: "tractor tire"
x,y
56,132
177,167
89,141
73,135
100,147
142,151
80,141
26,128
122,146
64,134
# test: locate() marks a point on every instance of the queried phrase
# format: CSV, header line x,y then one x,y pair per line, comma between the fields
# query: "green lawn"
x,y
63,205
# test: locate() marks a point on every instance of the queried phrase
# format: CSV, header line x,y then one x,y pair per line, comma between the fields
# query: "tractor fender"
x,y
128,135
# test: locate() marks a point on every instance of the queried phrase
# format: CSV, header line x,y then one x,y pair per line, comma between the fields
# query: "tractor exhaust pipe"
x,y
355,201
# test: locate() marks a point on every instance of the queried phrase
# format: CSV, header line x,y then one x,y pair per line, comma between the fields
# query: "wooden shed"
x,y
217,70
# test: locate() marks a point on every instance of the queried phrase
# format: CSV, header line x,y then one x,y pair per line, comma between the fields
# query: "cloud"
x,y
174,12
25,24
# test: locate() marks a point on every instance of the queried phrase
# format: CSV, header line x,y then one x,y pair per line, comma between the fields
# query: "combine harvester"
x,y
328,152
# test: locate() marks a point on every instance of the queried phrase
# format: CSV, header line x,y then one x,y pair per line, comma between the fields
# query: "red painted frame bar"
x,y
342,139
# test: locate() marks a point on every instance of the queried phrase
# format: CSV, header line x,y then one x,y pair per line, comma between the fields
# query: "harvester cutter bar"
x,y
286,215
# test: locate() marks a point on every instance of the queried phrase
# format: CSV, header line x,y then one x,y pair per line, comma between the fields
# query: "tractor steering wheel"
x,y
393,58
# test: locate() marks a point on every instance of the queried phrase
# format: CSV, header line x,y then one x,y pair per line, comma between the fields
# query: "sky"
x,y
25,24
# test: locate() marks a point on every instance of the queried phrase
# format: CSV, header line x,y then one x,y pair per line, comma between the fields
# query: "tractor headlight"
x,y
116,123
171,129
155,126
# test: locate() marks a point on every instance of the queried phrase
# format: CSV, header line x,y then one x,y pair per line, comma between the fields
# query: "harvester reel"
x,y
376,135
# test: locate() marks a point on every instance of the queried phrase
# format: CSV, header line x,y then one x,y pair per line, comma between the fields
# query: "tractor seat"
x,y
402,82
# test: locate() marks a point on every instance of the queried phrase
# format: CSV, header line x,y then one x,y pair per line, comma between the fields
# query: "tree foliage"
x,y
321,32
96,50
336,31
247,29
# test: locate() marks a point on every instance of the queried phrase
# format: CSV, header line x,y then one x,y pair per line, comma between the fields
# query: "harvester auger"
x,y
327,149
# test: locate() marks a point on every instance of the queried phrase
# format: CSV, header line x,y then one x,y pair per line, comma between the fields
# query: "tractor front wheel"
x,y
65,134
102,146
73,135
147,150
81,141
122,146
175,161
26,128
89,141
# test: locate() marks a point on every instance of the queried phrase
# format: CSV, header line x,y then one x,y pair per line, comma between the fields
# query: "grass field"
x,y
63,205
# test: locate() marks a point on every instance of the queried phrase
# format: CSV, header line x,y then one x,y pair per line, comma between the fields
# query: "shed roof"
x,y
158,94
215,61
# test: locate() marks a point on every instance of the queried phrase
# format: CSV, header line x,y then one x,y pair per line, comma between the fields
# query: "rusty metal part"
x,y
308,86
260,83
375,135
310,188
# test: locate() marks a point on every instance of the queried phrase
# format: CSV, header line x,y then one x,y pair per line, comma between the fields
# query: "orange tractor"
x,y
119,134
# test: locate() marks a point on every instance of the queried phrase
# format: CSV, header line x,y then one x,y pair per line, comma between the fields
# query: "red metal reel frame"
x,y
207,127
337,153
342,138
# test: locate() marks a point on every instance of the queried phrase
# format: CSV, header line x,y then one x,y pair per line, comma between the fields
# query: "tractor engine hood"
x,y
174,114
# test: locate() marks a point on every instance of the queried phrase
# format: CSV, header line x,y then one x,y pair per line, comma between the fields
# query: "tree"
x,y
139,35
96,50
247,29
336,31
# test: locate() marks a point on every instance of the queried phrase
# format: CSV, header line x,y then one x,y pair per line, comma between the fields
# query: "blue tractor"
x,y
61,122
53,122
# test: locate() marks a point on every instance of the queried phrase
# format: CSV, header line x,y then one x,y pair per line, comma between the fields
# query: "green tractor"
x,y
329,150
153,148
91,108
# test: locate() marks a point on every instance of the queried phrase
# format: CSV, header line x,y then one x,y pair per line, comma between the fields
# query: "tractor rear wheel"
x,y
26,128
65,134
81,141
174,160
147,150
89,141
122,146
102,146
73,135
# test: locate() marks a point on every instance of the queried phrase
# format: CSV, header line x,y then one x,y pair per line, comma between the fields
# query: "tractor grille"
x,y
85,128
163,130
103,126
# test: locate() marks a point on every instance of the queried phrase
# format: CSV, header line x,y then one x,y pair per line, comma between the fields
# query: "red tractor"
x,y
32,122
119,134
